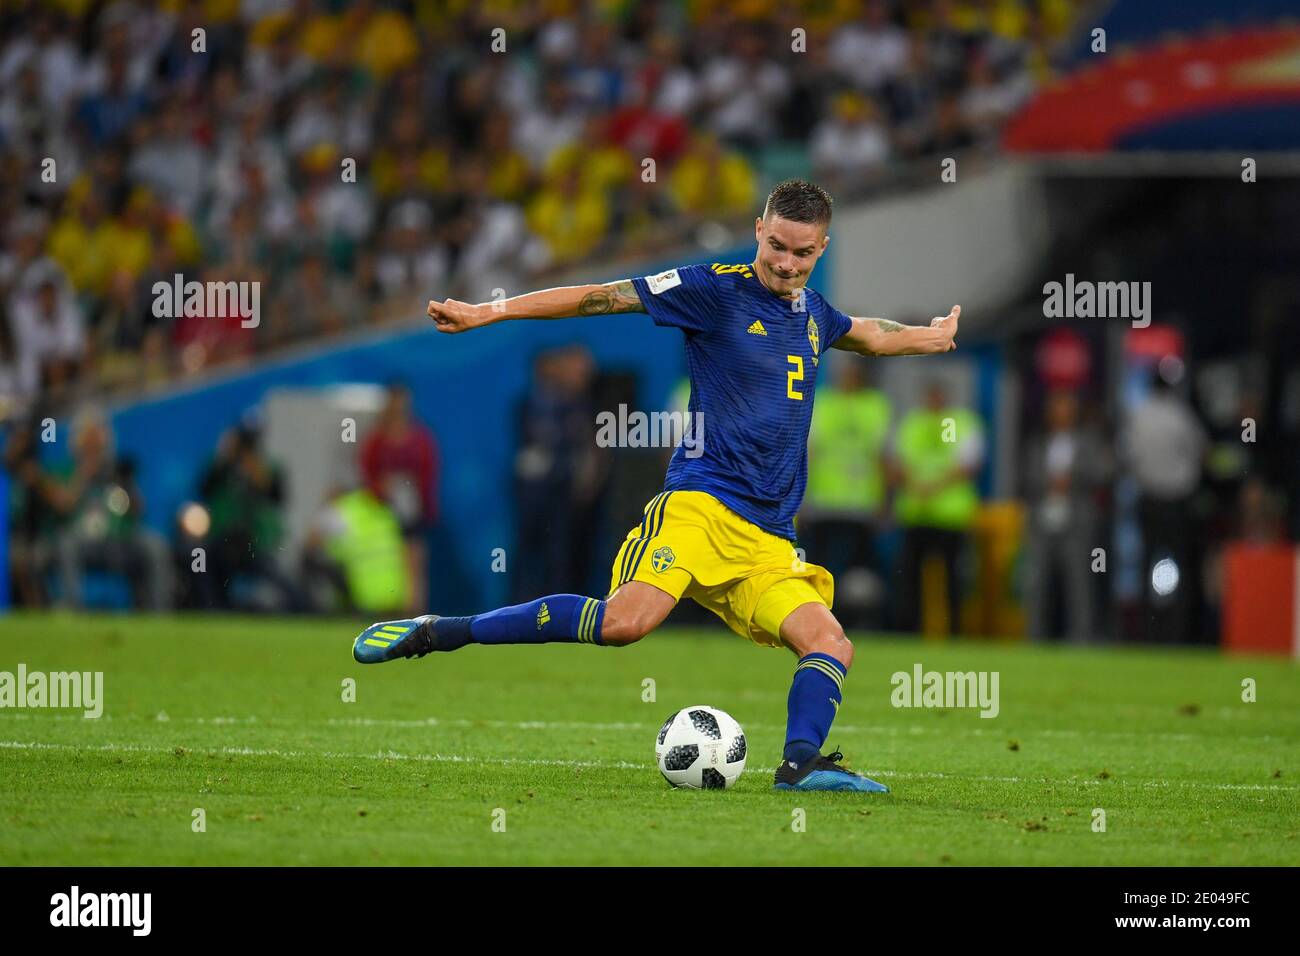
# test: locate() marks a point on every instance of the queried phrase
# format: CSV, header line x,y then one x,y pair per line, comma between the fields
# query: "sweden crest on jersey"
x,y
813,339
662,559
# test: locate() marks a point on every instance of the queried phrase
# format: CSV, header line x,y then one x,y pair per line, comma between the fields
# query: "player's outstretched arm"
x,y
559,303
883,337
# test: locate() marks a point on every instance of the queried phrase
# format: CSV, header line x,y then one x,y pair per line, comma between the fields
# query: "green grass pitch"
x,y
244,718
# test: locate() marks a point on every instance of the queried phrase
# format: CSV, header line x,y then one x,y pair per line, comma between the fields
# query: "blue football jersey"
x,y
753,359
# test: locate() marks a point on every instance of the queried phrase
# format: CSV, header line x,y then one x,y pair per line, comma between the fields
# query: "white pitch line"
x,y
1084,781
614,765
881,729
272,752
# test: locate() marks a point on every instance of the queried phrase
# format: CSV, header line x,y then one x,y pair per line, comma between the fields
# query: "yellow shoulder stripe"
x,y
741,268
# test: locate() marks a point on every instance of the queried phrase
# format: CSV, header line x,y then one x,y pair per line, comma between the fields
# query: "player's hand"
x,y
949,324
452,316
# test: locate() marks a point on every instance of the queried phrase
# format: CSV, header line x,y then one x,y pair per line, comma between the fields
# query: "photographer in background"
x,y
243,491
32,516
102,511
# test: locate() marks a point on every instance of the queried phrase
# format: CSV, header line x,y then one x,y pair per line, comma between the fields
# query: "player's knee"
x,y
846,650
833,642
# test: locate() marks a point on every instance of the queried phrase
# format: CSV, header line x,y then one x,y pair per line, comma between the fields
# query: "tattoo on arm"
x,y
612,297
859,344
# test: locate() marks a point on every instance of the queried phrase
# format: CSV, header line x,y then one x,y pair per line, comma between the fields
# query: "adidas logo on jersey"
x,y
757,328
543,616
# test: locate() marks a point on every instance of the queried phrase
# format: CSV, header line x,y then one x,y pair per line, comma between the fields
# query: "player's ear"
x,y
758,228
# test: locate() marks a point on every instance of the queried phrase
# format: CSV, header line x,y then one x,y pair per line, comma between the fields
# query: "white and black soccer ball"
x,y
701,748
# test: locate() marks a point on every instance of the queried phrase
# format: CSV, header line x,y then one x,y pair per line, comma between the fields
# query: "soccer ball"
x,y
701,748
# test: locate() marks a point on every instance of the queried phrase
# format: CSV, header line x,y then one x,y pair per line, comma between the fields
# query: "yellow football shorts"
x,y
692,545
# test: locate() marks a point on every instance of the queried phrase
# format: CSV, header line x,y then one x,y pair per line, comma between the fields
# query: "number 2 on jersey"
x,y
794,375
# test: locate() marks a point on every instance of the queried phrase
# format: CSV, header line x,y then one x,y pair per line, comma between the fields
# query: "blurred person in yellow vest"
x,y
355,550
938,450
846,487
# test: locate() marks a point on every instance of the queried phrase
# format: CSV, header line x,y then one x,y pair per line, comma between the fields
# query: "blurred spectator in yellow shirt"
x,y
132,246
320,34
383,40
406,144
601,164
81,239
570,219
509,175
712,181
1009,19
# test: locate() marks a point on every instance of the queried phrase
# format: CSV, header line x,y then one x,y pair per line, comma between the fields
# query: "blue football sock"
x,y
814,701
564,618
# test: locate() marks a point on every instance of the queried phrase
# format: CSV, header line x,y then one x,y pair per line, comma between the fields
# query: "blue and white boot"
x,y
823,773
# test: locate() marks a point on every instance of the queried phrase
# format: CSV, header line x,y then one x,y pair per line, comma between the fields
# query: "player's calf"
x,y
625,618
633,611
557,618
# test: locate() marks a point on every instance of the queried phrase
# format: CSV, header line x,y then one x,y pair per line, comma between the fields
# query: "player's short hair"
x,y
799,201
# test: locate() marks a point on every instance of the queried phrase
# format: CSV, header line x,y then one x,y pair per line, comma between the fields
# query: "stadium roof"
x,y
1181,75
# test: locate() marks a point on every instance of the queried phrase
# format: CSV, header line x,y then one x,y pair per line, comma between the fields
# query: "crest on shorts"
x,y
662,559
814,339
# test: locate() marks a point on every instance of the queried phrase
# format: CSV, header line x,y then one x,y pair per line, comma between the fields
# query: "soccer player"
x,y
722,530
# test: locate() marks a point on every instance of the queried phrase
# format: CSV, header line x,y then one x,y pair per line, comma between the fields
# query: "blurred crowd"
x,y
356,158
78,534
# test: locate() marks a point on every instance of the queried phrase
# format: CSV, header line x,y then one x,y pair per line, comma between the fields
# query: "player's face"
x,y
787,252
